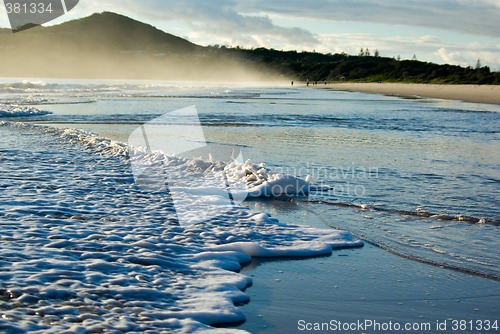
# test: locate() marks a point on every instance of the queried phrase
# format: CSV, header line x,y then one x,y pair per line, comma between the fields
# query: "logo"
x,y
169,155
26,14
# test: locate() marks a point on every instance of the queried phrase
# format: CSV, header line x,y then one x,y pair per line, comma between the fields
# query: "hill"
x,y
109,45
117,32
343,67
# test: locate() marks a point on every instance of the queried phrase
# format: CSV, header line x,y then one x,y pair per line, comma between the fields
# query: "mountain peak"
x,y
122,33
110,45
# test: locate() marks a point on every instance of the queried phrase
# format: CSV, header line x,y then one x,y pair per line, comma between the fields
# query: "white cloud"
x,y
469,55
425,47
388,46
209,22
469,16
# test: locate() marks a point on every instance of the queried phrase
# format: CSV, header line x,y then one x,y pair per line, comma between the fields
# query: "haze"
x,y
110,46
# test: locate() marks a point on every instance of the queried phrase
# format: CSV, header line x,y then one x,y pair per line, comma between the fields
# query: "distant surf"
x,y
12,110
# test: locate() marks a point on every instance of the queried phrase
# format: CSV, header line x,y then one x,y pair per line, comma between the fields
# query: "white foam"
x,y
12,110
85,249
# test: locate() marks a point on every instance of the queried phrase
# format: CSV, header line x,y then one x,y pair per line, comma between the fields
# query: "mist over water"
x,y
109,46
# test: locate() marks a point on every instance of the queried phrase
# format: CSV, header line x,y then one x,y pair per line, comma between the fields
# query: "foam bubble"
x,y
85,249
13,110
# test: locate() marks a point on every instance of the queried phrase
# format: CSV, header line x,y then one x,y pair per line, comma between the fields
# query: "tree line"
x,y
365,67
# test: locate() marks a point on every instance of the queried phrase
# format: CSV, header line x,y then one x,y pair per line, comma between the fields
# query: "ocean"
x,y
84,243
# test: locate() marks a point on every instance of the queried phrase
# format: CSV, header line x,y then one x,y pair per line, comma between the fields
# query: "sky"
x,y
441,31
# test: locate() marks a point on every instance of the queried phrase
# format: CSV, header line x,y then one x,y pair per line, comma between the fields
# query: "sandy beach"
x,y
468,93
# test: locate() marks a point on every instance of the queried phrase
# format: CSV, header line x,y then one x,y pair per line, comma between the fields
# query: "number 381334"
x,y
28,8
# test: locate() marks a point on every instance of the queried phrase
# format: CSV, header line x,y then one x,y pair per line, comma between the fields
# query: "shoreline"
x,y
352,285
366,284
488,94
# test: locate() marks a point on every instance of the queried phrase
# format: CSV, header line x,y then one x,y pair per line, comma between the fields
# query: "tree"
x,y
361,52
398,58
478,64
367,52
376,54
414,58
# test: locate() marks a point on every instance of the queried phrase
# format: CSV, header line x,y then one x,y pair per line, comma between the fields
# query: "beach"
x,y
79,222
467,93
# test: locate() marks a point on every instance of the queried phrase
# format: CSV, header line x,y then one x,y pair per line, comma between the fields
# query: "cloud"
x,y
469,16
246,18
425,47
256,23
388,46
216,21
469,55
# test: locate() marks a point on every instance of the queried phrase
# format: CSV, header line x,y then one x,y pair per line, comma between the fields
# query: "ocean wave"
x,y
26,86
37,100
20,111
137,89
253,178
86,249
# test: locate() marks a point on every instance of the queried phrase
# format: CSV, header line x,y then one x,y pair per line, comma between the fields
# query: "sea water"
x,y
418,177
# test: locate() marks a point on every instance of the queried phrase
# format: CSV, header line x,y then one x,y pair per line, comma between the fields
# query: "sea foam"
x,y
83,248
13,110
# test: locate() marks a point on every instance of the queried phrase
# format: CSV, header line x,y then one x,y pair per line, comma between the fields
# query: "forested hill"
x,y
342,67
110,45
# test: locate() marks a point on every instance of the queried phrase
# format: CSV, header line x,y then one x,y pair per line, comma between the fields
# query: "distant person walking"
x,y
292,83
307,82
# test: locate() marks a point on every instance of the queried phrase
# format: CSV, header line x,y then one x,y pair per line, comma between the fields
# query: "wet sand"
x,y
468,93
365,284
